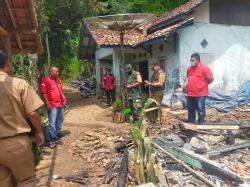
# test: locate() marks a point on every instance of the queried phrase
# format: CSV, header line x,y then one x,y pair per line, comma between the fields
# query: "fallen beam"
x,y
228,148
210,127
122,176
212,167
199,161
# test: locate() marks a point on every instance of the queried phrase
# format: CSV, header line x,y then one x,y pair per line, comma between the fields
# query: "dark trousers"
x,y
196,104
110,94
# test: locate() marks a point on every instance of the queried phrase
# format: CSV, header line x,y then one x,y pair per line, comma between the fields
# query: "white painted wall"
x,y
172,63
227,53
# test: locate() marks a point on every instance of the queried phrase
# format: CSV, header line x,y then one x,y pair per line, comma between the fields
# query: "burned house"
x,y
217,29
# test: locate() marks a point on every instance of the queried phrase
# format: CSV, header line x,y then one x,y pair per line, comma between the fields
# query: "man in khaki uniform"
x,y
19,103
157,83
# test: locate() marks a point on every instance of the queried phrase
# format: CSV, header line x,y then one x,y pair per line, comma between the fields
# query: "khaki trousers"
x,y
158,96
16,162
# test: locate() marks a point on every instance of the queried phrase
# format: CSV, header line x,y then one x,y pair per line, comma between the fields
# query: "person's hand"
x,y
48,108
39,138
127,87
147,83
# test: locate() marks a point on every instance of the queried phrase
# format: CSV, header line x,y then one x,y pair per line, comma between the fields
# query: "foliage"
x,y
60,20
143,6
117,105
24,71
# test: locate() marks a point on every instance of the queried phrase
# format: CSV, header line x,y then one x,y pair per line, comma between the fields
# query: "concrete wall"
x,y
227,53
172,62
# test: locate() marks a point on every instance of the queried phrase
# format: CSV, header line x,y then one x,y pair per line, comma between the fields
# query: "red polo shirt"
x,y
198,78
53,89
108,81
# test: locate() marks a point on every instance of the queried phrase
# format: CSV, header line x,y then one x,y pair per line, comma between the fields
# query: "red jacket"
x,y
52,88
108,81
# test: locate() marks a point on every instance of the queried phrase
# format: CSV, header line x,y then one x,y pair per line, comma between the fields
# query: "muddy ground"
x,y
88,128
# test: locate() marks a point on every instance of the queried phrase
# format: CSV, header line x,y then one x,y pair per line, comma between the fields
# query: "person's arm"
x,y
46,101
138,83
44,91
210,80
209,75
161,81
35,119
31,103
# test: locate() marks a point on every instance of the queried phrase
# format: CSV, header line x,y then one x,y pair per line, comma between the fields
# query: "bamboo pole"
x,y
48,49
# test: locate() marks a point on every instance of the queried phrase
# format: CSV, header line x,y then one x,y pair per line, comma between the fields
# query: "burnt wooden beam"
x,y
228,148
122,176
211,166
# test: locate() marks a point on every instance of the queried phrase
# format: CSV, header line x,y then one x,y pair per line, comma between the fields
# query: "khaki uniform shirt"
x,y
17,100
158,76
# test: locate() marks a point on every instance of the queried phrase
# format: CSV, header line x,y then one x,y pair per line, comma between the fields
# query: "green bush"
x,y
75,68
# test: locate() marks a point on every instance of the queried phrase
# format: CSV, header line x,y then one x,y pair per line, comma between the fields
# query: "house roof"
x,y
157,28
18,21
175,14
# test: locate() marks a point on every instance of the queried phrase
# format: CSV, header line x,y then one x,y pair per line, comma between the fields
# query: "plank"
x,y
210,127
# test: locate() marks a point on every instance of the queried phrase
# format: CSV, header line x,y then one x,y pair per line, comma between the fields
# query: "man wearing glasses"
x,y
199,76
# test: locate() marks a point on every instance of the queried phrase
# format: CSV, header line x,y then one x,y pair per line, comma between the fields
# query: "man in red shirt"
x,y
51,87
108,84
198,78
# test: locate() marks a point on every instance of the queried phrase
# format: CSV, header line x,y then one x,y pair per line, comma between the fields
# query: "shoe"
x,y
52,145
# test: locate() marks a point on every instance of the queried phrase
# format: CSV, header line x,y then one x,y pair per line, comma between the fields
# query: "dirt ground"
x,y
84,117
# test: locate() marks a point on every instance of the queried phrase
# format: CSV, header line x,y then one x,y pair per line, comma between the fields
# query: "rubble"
x,y
103,151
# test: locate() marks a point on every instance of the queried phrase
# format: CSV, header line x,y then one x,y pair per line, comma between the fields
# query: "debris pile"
x,y
104,152
215,160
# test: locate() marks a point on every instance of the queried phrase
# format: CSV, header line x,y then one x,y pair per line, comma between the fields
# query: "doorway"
x,y
143,69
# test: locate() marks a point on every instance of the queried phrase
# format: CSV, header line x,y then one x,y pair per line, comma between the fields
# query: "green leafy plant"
x,y
117,105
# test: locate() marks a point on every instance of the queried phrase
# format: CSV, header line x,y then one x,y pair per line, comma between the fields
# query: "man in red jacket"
x,y
108,84
51,87
199,76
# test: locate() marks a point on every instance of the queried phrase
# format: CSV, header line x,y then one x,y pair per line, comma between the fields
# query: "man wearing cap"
x,y
157,83
134,90
108,84
19,103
